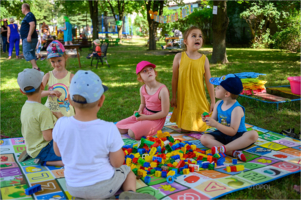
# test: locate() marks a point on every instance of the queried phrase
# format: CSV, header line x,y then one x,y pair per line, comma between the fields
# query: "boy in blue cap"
x,y
91,148
228,118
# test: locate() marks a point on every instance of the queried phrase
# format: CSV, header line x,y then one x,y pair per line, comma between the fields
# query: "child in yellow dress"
x,y
190,70
58,80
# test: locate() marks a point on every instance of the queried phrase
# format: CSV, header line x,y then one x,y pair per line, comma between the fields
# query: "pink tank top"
x,y
152,102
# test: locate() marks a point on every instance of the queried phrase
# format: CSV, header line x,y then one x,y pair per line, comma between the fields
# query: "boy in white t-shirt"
x,y
91,149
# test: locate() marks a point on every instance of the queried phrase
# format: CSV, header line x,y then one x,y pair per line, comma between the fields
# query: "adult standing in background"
x,y
29,35
67,31
13,38
4,36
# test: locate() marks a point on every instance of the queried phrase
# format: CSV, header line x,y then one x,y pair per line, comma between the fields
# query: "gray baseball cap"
x,y
29,77
88,85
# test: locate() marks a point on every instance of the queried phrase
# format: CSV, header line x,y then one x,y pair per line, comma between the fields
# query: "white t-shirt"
x,y
85,148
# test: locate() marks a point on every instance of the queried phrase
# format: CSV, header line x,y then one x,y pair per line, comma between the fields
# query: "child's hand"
x,y
203,118
57,114
55,93
142,117
173,102
211,122
212,107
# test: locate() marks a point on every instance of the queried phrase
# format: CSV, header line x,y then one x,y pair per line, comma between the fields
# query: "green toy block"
x,y
172,160
204,159
160,165
141,161
168,148
147,142
181,151
171,139
135,170
152,171
181,172
211,166
137,114
134,150
216,156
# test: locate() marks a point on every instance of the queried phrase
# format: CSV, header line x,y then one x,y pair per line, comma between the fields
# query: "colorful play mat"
x,y
272,157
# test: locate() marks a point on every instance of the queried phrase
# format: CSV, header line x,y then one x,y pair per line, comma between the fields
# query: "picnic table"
x,y
111,41
74,46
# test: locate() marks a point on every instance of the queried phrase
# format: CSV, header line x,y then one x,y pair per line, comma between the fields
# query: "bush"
x,y
290,37
263,41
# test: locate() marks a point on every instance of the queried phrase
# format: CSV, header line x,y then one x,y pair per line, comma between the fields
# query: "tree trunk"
x,y
93,5
106,27
152,25
219,26
119,28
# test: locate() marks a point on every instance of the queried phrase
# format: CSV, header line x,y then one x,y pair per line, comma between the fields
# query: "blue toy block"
x,y
209,154
147,171
33,189
141,151
234,161
185,166
159,149
176,157
131,156
205,164
164,174
220,161
146,164
181,144
158,168
181,169
147,179
143,137
199,163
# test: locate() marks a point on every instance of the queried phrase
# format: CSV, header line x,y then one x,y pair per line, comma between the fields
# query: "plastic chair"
x,y
104,49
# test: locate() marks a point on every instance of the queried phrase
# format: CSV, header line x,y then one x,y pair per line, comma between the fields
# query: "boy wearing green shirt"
x,y
37,120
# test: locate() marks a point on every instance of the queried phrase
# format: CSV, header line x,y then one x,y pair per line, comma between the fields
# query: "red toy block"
x,y
191,169
135,160
233,168
180,164
170,165
142,167
200,158
188,148
129,151
214,160
209,158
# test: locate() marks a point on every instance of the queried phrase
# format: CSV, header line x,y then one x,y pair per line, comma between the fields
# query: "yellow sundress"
x,y
62,103
191,96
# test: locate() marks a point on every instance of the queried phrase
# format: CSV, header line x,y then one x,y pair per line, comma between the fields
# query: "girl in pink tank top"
x,y
153,108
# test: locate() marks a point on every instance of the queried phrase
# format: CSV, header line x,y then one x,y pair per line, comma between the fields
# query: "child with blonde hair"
x,y
58,80
190,70
154,106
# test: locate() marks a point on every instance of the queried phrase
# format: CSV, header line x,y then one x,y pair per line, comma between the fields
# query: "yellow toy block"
x,y
126,152
193,147
240,167
153,164
137,155
148,158
133,166
158,174
135,145
128,161
228,169
175,164
168,155
144,173
184,150
140,171
153,151
185,171
176,142
208,151
162,144
171,173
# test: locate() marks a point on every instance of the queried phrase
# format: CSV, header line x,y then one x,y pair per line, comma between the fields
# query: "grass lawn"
x,y
123,98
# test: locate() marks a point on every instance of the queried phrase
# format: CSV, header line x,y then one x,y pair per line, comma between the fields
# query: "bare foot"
x,y
17,57
9,57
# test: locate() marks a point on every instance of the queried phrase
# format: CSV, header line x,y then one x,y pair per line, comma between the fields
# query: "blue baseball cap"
x,y
230,82
88,85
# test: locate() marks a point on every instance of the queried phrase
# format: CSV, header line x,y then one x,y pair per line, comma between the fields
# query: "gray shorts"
x,y
29,49
103,189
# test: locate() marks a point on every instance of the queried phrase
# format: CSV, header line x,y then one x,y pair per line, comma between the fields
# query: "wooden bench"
x,y
83,43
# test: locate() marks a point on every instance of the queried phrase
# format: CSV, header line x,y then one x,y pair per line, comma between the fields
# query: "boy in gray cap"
x,y
37,120
91,148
